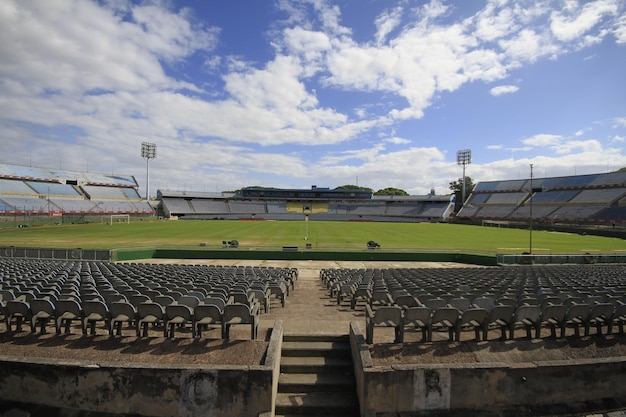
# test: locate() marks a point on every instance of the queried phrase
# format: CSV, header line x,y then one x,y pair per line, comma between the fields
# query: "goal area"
x,y
119,218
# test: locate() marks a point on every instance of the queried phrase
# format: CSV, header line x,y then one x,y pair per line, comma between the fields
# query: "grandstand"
x,y
582,199
294,204
32,191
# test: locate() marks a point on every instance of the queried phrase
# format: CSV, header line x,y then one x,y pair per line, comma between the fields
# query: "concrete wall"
x,y
487,389
147,390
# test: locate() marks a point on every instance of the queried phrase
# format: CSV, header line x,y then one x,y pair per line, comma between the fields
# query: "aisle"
x,y
311,310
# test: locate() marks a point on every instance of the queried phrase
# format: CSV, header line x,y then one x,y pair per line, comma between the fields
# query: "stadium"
x,y
293,329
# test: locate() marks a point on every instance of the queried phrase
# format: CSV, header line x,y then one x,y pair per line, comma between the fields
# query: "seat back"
x,y
178,310
18,308
484,302
460,303
123,309
419,316
95,309
474,315
579,311
237,311
445,315
601,311
388,316
207,312
42,307
164,300
149,309
407,301
529,313
68,308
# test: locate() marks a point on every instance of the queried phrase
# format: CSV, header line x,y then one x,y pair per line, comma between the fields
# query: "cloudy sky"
x,y
294,93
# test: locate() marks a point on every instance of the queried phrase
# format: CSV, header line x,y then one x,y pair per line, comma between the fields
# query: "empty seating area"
x,y
205,205
39,191
514,302
597,198
138,299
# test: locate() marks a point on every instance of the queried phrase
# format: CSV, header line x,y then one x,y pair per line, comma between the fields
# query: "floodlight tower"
x,y
463,157
148,152
530,242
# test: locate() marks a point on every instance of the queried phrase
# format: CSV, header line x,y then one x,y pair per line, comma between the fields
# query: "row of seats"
x,y
140,294
498,317
483,298
63,313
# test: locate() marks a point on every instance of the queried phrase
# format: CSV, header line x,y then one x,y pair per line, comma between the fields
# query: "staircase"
x,y
317,377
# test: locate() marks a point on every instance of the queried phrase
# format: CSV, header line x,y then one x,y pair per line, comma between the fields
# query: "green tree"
x,y
352,187
457,189
391,191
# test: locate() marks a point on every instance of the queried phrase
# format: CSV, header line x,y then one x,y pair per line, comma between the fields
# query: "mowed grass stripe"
x,y
321,236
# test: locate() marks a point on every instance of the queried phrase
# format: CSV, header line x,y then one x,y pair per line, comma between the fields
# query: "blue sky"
x,y
286,93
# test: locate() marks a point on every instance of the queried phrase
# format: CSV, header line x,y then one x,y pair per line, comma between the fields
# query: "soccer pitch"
x,y
327,236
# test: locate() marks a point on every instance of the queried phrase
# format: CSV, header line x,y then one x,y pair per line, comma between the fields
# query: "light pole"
x,y
530,244
148,152
463,157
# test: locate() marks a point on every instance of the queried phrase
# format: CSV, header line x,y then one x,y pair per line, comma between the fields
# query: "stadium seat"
x,y
43,311
472,319
576,316
177,315
384,316
241,314
601,315
94,312
444,318
417,317
18,311
121,312
205,315
67,311
148,313
526,316
553,316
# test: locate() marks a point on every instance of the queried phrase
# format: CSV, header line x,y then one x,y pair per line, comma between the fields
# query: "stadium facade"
x,y
296,204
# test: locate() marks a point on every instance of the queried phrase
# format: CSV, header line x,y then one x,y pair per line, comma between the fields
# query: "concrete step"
x,y
316,348
315,364
341,338
317,404
316,382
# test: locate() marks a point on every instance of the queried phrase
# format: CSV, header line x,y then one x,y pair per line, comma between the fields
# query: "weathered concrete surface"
x,y
155,390
485,388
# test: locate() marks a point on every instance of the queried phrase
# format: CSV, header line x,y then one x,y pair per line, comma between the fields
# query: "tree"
x,y
457,188
352,187
391,191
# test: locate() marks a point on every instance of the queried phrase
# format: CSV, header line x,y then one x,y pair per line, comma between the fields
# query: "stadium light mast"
x,y
463,157
530,243
148,152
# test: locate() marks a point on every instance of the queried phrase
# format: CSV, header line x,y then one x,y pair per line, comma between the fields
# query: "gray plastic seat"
x,y
121,312
238,313
444,318
68,311
384,316
43,311
177,315
94,312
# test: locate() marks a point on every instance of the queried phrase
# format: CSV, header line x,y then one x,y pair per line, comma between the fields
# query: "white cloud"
x,y
618,139
574,22
398,141
503,89
543,140
386,23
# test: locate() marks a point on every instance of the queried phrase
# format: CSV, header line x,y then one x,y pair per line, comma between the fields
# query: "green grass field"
x,y
339,236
